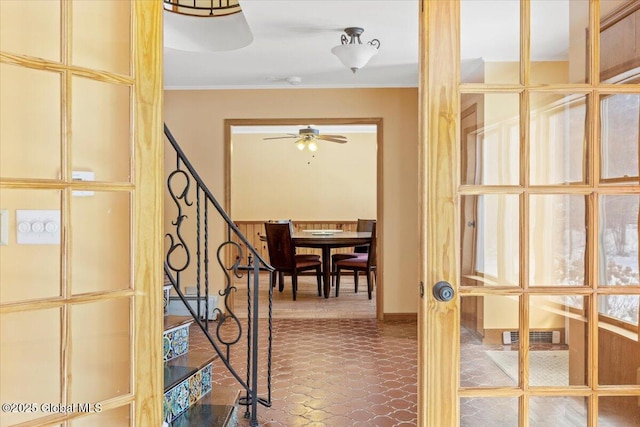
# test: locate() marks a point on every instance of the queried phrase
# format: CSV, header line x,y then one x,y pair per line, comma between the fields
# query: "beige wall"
x,y
273,179
501,313
196,119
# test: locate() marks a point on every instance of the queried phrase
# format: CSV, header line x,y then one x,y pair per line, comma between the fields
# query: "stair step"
x,y
182,367
186,379
219,408
176,336
173,322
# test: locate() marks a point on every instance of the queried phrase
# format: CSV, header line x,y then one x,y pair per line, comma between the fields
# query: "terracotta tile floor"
x,y
335,365
337,372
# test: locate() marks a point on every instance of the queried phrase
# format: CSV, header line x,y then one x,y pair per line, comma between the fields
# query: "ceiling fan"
x,y
306,138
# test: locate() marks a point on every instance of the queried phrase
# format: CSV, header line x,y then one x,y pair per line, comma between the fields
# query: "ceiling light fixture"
x,y
205,25
352,52
307,142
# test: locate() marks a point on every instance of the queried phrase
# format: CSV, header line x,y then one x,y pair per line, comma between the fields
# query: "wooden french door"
x,y
81,213
530,185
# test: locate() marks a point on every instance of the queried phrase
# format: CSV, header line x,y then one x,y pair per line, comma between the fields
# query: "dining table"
x,y
327,240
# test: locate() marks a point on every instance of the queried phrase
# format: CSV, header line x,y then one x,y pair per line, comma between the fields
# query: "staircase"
x,y
190,396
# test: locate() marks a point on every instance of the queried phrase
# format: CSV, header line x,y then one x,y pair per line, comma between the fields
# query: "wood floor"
x,y
308,305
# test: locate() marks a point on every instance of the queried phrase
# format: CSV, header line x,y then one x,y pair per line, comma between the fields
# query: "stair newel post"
x,y
206,261
198,252
254,347
270,333
247,398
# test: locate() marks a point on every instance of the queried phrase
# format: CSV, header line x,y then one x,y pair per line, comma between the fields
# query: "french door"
x,y
530,185
81,213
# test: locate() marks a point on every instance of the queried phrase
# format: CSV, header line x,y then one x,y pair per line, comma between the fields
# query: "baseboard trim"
x,y
400,316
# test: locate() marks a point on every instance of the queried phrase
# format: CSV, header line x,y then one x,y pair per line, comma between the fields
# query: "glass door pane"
x,y
558,339
558,147
490,240
558,240
16,37
618,411
489,341
490,139
31,116
490,52
619,50
619,136
102,35
558,37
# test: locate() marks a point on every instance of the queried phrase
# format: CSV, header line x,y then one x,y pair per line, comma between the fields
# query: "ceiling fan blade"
x,y
334,136
326,138
282,137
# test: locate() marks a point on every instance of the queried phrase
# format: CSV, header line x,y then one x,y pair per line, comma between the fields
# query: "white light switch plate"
x,y
4,227
83,176
38,227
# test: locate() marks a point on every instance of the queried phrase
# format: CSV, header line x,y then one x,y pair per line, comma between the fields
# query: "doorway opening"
x,y
270,175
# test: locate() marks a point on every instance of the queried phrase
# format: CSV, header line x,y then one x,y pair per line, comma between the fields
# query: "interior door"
x,y
81,213
530,184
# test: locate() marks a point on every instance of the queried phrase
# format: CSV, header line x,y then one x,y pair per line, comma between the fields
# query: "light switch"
x,y
83,176
38,227
4,227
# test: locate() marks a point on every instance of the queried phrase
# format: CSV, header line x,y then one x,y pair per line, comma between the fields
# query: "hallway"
x,y
333,363
339,372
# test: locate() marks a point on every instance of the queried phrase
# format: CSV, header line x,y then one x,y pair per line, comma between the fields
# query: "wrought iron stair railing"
x,y
226,329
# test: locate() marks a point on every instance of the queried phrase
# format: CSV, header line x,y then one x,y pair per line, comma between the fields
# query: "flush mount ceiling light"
x,y
205,25
352,52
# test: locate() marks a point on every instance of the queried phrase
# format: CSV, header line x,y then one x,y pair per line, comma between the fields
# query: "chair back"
x,y
282,252
373,253
281,221
364,225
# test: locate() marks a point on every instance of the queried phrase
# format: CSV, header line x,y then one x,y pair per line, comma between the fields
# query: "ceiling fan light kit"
x,y
307,137
309,144
352,52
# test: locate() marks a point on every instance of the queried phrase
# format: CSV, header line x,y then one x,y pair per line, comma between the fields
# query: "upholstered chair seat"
x,y
360,263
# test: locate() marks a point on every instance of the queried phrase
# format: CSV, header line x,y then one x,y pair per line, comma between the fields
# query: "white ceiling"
x,y
293,38
284,129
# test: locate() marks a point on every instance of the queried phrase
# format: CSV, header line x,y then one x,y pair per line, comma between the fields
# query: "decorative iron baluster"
x,y
229,328
177,223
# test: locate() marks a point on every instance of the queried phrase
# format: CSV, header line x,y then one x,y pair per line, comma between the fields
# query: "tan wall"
x,y
273,179
502,313
196,120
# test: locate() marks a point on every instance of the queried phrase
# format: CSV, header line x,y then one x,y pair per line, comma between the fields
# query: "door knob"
x,y
443,291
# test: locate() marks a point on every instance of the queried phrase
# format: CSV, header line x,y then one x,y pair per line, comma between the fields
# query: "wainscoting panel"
x,y
254,229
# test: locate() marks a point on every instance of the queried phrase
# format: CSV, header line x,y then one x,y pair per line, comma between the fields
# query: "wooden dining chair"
x,y
283,257
361,262
364,225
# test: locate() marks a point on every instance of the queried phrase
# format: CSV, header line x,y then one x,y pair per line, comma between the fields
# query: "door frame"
x,y
378,122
